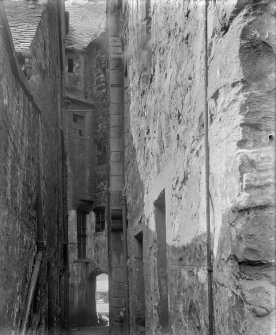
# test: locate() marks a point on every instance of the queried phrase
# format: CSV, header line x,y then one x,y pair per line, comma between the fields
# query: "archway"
x,y
102,299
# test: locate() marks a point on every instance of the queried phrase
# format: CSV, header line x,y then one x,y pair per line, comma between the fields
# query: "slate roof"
x,y
86,22
23,22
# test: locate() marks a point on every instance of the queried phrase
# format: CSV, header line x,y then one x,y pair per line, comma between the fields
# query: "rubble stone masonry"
x,y
29,148
164,57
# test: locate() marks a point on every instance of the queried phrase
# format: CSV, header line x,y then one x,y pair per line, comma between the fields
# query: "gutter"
x,y
207,177
66,270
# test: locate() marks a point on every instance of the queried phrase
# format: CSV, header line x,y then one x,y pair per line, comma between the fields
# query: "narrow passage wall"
x,y
29,146
164,52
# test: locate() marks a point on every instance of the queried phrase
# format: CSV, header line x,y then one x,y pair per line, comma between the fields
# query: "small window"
x,y
70,63
81,234
148,18
100,220
101,153
78,125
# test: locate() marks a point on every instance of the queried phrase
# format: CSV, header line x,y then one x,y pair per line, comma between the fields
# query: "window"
x,y
148,19
70,63
100,220
81,231
78,125
101,153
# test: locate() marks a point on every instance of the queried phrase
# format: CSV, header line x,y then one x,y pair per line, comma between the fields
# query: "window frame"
x,y
77,127
81,233
99,220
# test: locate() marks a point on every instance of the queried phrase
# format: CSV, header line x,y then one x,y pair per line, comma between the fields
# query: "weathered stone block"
x,y
118,302
118,290
118,275
115,198
255,240
116,95
116,169
116,183
115,131
116,108
260,295
116,156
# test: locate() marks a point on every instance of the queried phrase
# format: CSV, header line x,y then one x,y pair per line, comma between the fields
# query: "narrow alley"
x,y
137,167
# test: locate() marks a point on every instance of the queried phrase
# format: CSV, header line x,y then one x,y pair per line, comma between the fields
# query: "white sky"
x,y
102,283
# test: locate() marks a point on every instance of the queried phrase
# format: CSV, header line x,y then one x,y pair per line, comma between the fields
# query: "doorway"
x,y
102,300
160,219
139,308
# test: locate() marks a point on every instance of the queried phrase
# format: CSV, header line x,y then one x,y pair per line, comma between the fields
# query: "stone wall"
x,y
30,146
164,52
86,91
97,90
117,297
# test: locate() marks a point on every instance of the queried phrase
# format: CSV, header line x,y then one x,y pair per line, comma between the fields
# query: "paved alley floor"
x,y
87,331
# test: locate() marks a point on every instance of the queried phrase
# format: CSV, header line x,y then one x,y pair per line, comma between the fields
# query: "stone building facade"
x,y
157,101
32,208
86,109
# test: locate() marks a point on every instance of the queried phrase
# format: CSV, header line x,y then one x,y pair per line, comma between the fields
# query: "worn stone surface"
x,y
30,145
97,90
23,22
116,183
87,22
165,68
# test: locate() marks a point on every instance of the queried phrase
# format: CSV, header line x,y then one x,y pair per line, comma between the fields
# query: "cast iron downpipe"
x,y
207,176
124,217
66,272
65,232
40,242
